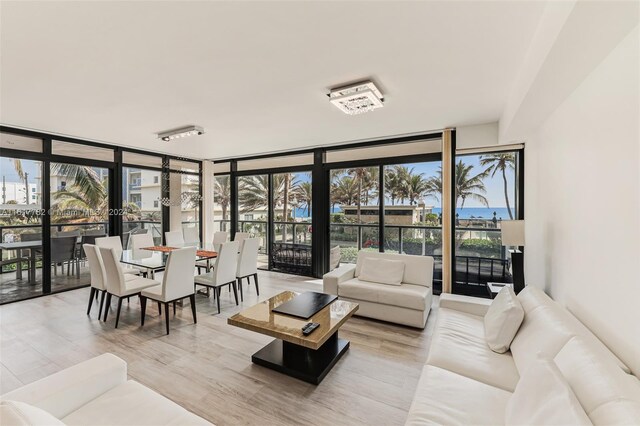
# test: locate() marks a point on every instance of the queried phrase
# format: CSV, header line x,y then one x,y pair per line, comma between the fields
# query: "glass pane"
x,y
184,193
79,214
354,213
413,223
21,229
22,143
291,250
253,212
77,150
142,210
222,203
485,195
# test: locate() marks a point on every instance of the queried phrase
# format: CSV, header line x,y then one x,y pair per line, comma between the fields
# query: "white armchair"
x,y
95,391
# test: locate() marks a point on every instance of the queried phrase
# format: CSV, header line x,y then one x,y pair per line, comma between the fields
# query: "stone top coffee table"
x,y
307,358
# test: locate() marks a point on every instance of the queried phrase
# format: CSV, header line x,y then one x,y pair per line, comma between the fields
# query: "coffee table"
x,y
307,358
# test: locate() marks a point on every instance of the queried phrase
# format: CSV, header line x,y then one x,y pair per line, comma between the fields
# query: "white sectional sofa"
x,y
94,392
465,382
408,303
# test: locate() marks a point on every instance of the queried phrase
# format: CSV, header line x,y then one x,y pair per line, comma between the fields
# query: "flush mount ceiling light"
x,y
357,98
182,132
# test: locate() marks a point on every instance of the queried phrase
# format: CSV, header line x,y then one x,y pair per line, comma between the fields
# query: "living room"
x,y
319,212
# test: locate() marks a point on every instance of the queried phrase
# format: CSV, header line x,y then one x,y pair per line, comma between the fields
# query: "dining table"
x,y
154,259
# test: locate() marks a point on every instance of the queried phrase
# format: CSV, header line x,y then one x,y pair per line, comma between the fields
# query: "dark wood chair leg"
x,y
104,293
192,299
235,291
160,308
217,291
174,308
106,308
240,288
166,315
118,313
96,295
255,280
91,297
143,309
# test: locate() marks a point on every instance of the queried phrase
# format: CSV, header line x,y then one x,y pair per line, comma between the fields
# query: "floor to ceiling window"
x,y
354,212
486,194
79,213
292,231
253,212
20,221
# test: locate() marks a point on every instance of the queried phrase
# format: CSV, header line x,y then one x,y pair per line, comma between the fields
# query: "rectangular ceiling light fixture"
x,y
357,98
181,132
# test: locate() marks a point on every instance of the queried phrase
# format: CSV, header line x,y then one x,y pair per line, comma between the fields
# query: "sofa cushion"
x,y
418,270
502,320
404,295
607,394
543,396
132,403
383,271
16,413
547,326
447,398
458,345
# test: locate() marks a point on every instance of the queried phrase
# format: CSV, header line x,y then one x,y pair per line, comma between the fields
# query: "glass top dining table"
x,y
156,260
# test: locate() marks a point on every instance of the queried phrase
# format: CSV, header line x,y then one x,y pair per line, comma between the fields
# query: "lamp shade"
x,y
512,232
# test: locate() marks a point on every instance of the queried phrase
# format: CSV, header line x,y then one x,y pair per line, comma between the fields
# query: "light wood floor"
x,y
207,367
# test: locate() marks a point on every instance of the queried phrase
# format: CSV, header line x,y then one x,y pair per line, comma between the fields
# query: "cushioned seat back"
x,y
546,328
418,270
608,395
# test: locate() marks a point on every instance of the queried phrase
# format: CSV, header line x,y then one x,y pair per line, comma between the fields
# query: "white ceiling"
x,y
255,75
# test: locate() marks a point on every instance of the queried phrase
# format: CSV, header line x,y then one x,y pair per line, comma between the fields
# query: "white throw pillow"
x,y
502,320
543,397
15,413
383,271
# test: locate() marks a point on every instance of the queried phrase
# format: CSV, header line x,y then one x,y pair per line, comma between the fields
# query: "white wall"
x,y
477,136
583,202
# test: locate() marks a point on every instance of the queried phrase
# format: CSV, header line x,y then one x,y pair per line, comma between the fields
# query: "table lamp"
x,y
513,235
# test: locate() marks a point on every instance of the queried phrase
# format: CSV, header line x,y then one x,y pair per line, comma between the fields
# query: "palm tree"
x,y
17,164
415,186
500,162
469,185
303,192
344,191
362,176
222,194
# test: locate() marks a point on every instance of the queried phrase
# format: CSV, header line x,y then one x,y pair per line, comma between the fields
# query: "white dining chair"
x,y
224,271
191,235
118,284
248,264
176,284
116,244
173,238
140,241
241,236
98,277
220,237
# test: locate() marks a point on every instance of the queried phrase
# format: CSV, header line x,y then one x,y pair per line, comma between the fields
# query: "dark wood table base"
x,y
302,363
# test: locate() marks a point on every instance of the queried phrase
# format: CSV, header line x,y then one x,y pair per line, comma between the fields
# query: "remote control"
x,y
308,328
